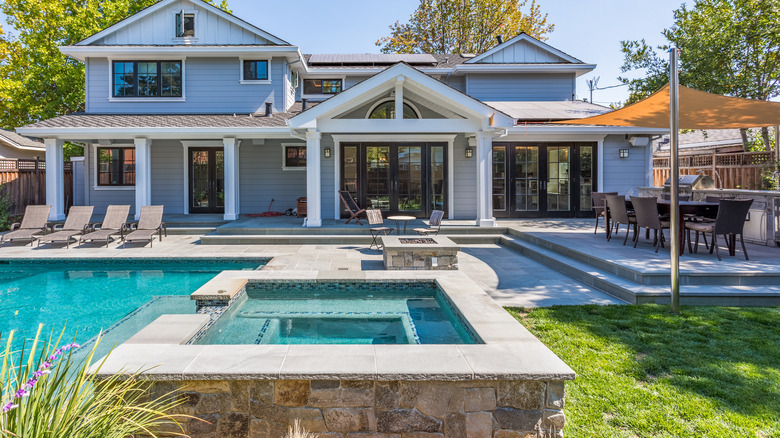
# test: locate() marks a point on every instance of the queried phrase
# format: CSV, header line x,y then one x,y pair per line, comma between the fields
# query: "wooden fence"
x,y
729,170
24,183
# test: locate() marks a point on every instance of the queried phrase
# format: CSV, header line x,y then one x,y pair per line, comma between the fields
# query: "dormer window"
x,y
185,25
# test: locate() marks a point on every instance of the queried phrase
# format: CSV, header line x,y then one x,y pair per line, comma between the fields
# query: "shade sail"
x,y
698,110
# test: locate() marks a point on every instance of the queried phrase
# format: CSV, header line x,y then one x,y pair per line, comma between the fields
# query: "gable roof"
x,y
528,39
20,142
163,3
432,86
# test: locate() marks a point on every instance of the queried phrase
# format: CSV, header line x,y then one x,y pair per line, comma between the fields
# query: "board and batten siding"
x,y
261,177
464,180
623,175
521,87
522,52
160,28
211,86
102,197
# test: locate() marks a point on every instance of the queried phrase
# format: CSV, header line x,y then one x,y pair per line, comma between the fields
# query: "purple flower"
x,y
30,383
8,407
53,357
45,365
40,373
21,393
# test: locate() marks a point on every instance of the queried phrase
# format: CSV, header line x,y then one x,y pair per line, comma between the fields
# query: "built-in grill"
x,y
689,183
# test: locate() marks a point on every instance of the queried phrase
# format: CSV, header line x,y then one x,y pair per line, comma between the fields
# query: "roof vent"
x,y
269,109
304,102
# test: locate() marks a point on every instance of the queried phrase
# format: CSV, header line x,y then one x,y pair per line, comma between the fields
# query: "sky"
x,y
590,30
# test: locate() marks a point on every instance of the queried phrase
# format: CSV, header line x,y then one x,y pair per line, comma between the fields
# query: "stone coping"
x,y
219,289
442,243
170,329
509,350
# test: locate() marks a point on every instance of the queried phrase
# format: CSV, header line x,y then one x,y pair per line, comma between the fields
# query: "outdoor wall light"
x,y
623,153
469,152
327,152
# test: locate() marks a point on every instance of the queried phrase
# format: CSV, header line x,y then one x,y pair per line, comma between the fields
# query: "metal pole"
x,y
674,174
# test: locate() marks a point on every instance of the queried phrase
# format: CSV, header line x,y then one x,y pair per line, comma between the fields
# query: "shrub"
x,y
54,394
5,209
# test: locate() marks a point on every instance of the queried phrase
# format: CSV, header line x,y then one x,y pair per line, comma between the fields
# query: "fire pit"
x,y
420,253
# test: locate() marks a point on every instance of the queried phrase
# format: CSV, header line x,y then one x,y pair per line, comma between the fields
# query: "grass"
x,y
644,372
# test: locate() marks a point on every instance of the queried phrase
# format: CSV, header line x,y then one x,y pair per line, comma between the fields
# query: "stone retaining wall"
x,y
368,409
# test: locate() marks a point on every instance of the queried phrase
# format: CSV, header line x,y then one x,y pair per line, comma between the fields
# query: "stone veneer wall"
x,y
410,258
368,409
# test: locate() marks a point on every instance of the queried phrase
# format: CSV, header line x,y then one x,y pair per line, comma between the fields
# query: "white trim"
x,y
96,162
390,99
313,179
147,99
9,142
143,174
186,185
211,8
336,178
529,39
393,137
197,28
284,156
451,178
600,164
580,69
243,81
132,99
80,53
55,178
231,177
202,143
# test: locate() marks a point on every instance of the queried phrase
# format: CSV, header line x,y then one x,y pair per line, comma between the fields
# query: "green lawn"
x,y
644,372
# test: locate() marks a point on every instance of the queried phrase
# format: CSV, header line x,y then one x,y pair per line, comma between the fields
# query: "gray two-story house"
x,y
190,107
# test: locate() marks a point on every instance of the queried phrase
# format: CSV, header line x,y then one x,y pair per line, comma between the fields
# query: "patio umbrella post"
x,y
674,175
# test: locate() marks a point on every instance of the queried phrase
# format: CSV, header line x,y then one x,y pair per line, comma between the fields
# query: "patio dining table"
x,y
694,208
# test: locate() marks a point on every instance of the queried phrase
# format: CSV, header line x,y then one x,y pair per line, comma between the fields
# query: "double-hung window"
x,y
147,79
255,70
322,86
116,166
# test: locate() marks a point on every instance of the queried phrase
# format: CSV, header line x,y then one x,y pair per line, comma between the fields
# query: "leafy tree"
x,y
36,80
729,47
464,26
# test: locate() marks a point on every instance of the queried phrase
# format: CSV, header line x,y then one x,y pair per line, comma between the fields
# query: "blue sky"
x,y
590,30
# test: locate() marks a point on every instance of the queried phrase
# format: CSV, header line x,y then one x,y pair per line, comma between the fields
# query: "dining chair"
x,y
646,210
730,222
618,214
599,200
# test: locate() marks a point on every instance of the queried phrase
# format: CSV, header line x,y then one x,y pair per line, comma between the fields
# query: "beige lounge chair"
x,y
77,223
115,222
148,225
33,223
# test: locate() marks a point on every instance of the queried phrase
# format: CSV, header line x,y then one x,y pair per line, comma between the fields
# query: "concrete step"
x,y
190,230
325,239
232,230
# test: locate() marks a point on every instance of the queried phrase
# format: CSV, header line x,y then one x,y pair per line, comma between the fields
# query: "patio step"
x,y
325,239
232,230
650,278
636,293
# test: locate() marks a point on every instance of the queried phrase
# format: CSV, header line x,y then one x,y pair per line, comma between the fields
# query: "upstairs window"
x,y
147,79
322,86
116,166
386,110
255,70
185,25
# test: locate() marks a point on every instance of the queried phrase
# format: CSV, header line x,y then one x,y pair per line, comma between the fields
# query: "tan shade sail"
x,y
698,110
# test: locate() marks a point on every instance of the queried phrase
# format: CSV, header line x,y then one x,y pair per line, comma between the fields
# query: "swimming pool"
x,y
89,295
340,313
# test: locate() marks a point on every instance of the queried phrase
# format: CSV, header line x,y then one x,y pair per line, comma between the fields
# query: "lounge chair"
x,y
375,218
33,223
352,206
434,224
148,225
77,223
115,222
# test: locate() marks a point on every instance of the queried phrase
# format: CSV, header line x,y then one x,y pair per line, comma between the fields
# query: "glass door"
x,y
557,184
408,192
377,177
207,180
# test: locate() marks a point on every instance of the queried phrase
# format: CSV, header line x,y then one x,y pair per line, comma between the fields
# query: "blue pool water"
x,y
86,296
340,313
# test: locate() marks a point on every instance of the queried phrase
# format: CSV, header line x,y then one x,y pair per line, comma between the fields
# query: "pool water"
x,y
86,296
340,313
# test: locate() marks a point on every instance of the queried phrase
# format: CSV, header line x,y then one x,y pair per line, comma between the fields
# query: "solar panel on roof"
x,y
372,58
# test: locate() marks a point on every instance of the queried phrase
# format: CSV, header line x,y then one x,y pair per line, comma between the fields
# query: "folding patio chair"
x,y
33,223
115,222
434,224
351,205
77,223
375,218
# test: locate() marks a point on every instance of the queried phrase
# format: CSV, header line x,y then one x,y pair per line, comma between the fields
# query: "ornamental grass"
x,y
47,392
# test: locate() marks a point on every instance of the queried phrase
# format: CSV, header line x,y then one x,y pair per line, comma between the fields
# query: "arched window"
x,y
386,110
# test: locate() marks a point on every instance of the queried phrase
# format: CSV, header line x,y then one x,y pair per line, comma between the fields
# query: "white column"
x,y
143,174
485,180
313,189
600,166
399,98
231,178
55,178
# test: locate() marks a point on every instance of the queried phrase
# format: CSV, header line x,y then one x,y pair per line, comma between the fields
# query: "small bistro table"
x,y
398,220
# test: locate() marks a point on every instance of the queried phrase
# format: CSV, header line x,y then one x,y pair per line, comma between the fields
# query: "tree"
x,y
729,47
36,80
464,26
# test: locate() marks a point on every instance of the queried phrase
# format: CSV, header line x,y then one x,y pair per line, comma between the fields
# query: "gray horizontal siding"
x,y
521,87
624,174
211,85
464,180
327,174
456,82
168,175
261,178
